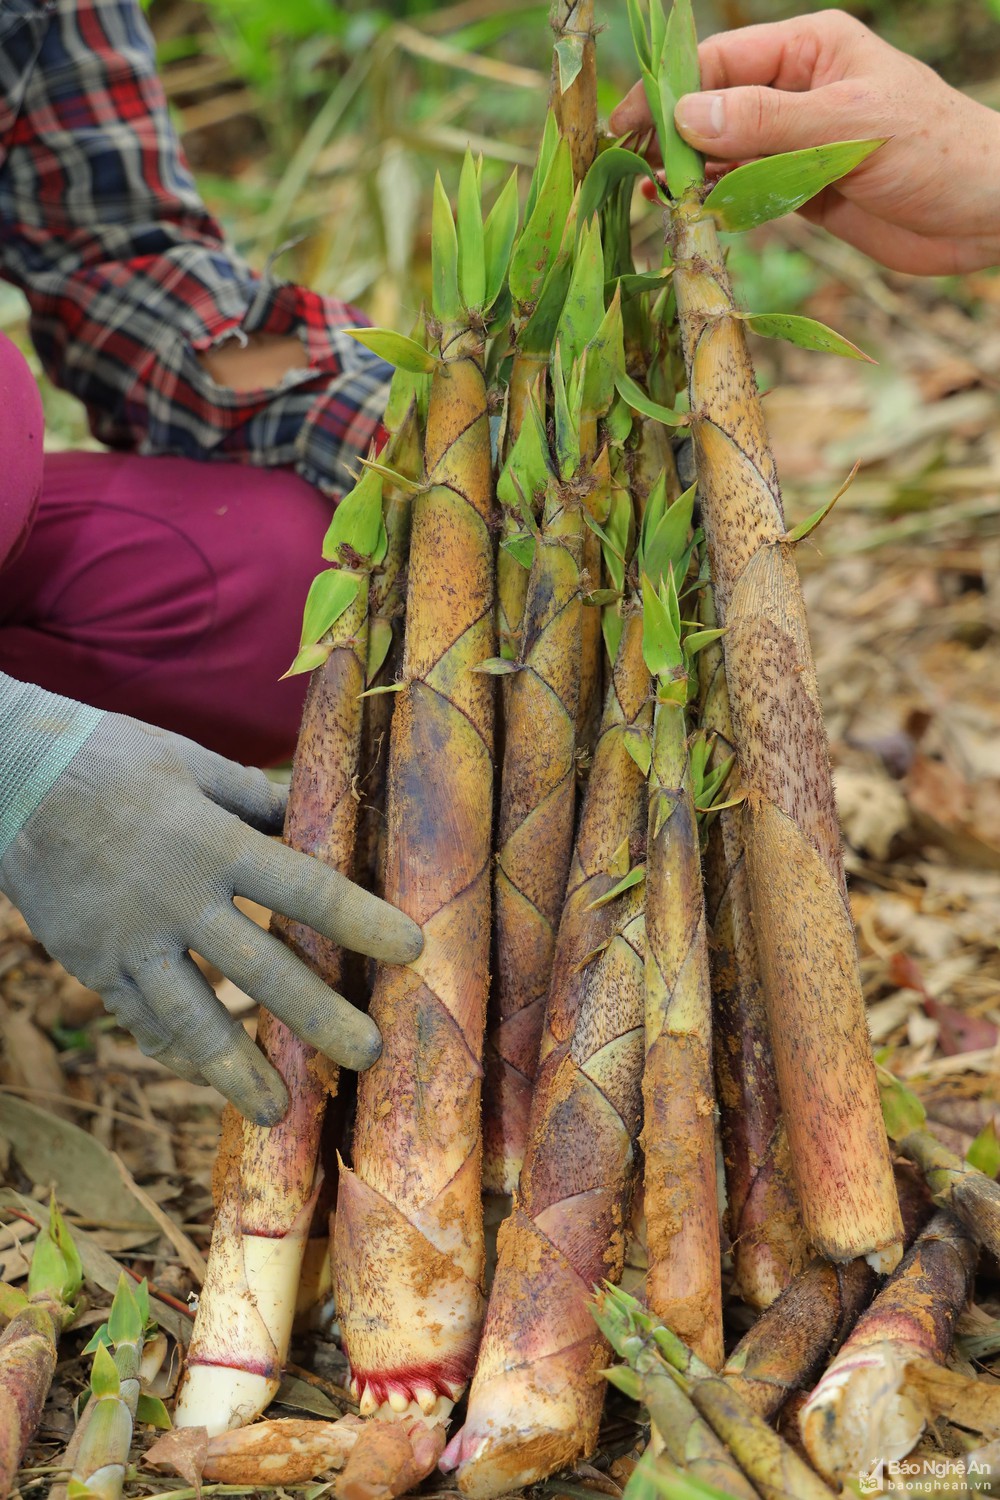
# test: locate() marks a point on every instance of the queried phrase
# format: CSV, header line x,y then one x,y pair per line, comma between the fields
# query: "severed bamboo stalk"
x,y
762,1213
791,837
684,1282
265,1178
409,1250
537,1394
784,1352
861,1410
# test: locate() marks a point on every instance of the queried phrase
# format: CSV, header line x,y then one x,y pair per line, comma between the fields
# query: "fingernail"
x,y
702,115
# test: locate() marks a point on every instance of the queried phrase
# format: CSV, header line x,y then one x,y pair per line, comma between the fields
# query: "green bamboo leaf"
x,y
654,99
446,301
805,333
499,233
615,536
902,1111
140,1291
610,167
542,236
471,247
152,1412
699,639
99,1337
984,1153
637,283
640,35
55,1265
397,480
639,401
612,626
407,388
624,1380
661,643
634,877
330,594
308,659
605,359
583,309
356,524
566,422
674,1484
125,1322
389,687
679,75
597,598
657,34
497,666
379,642
539,332
521,548
640,747
569,57
804,528
551,139
528,469
11,1301
641,1484
104,1379
665,541
405,353
776,185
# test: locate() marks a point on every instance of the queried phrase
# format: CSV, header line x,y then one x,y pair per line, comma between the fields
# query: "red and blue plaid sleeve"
x,y
129,277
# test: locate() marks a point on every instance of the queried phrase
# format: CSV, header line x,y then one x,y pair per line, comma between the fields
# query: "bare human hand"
x,y
928,202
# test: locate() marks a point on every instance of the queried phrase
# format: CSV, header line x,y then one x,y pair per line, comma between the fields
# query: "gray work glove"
x,y
123,846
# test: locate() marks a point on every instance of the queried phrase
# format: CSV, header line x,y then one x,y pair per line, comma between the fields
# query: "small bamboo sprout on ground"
x,y
684,1286
409,1253
775,1471
763,1218
679,1434
266,1179
29,1343
99,1452
954,1184
803,925
861,1410
538,787
536,1399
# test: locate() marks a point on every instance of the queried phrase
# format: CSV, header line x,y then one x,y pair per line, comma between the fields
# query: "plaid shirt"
x,y
129,277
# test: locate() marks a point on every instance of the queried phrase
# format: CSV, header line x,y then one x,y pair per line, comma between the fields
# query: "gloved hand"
x,y
123,846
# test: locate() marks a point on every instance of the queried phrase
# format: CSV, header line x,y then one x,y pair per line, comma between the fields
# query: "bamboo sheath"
x,y
28,1350
861,1409
537,1395
684,1282
409,1241
265,1179
538,1391
791,839
535,829
763,1219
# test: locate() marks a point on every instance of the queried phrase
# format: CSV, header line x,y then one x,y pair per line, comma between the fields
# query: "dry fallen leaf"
x,y
182,1450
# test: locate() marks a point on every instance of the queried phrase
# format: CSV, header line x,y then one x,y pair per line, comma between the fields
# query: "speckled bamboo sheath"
x,y
409,1240
535,832
860,1406
265,1179
762,1212
28,1348
576,110
538,1391
684,1283
537,1395
790,833
612,823
386,602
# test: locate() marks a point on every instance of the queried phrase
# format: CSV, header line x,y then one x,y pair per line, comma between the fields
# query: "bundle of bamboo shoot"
x,y
547,556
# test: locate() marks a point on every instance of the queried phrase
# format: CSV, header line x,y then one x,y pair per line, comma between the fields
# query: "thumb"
x,y
742,123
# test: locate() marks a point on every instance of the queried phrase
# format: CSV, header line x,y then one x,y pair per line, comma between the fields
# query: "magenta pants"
x,y
164,588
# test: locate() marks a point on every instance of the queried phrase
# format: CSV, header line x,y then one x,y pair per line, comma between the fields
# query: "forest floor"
x,y
903,589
